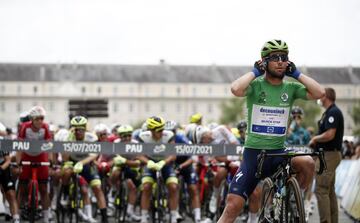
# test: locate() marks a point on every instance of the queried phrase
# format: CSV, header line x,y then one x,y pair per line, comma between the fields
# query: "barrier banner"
x,y
126,148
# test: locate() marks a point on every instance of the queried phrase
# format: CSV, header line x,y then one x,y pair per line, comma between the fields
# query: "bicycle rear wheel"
x,y
266,211
294,205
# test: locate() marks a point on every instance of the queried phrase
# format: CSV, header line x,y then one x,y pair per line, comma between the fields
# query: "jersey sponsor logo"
x,y
133,148
276,111
193,149
284,97
47,146
159,148
262,98
81,148
270,121
17,145
331,119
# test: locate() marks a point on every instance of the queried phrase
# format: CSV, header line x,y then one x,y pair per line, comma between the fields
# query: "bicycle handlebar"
x,y
34,164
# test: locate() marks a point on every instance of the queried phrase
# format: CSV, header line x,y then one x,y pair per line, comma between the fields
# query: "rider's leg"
x,y
254,205
96,187
195,201
45,200
14,208
132,200
145,198
234,206
304,166
172,186
219,178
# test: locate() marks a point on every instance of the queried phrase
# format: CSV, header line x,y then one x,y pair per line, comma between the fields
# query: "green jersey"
x,y
268,109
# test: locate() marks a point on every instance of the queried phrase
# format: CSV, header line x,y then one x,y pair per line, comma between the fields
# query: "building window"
x,y
2,106
35,89
131,107
99,90
18,89
178,91
51,106
194,108
147,107
51,89
83,89
18,107
194,91
178,107
210,108
162,107
115,107
115,91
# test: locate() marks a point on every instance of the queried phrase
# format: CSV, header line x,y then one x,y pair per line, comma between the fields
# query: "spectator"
x,y
357,152
331,132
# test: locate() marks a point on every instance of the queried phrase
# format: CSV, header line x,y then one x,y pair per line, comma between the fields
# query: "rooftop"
x,y
157,73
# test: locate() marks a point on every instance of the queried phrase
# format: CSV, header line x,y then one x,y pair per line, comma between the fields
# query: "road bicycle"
x,y
282,200
32,204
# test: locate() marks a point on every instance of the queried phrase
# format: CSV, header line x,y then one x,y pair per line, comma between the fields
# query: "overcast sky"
x,y
223,32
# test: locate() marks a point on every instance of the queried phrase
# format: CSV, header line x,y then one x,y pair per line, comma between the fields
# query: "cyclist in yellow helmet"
x,y
196,118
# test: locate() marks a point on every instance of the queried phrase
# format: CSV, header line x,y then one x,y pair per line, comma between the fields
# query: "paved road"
x,y
314,218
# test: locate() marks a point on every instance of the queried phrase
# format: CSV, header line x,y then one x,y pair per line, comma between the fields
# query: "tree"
x,y
232,111
311,112
355,114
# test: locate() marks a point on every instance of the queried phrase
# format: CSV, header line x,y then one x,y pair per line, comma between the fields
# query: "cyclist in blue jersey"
x,y
269,100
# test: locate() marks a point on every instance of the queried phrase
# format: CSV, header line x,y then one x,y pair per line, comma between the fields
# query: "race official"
x,y
330,135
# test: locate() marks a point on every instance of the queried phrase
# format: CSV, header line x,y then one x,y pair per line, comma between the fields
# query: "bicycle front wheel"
x,y
266,211
32,207
294,205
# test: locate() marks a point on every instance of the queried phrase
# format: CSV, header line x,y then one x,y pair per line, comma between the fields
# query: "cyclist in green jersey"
x,y
269,101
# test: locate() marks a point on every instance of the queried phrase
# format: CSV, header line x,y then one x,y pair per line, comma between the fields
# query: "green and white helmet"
x,y
272,46
78,122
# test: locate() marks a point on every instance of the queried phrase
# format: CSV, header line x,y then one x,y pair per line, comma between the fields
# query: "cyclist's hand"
x,y
312,143
78,167
119,160
292,71
258,69
151,165
160,165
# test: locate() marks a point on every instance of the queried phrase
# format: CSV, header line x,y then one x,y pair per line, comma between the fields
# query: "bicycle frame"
x,y
278,187
33,196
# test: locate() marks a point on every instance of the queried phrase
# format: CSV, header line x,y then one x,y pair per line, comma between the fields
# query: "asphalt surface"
x,y
314,218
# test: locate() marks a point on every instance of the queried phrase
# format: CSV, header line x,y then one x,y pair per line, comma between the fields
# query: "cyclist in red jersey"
x,y
36,129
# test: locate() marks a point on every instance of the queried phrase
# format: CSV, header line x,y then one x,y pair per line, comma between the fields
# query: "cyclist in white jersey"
x,y
157,134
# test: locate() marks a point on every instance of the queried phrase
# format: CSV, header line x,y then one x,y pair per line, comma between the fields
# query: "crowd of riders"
x,y
140,170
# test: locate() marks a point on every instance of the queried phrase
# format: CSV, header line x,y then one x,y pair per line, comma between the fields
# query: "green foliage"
x,y
312,112
355,114
232,110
